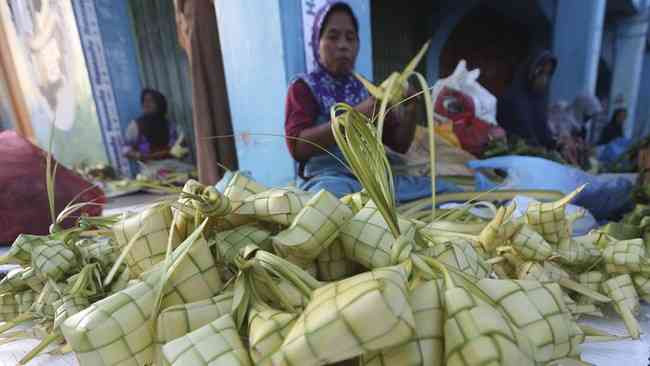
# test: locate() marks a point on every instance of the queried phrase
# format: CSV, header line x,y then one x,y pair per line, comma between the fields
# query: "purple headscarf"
x,y
327,89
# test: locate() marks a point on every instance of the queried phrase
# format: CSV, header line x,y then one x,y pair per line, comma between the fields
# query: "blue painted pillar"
x,y
109,48
263,49
643,107
630,45
577,37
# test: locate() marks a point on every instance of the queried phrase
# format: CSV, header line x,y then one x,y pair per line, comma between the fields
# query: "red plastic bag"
x,y
24,205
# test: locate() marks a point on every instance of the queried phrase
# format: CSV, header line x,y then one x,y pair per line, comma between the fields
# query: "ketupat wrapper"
x,y
550,220
104,252
426,347
461,254
31,278
342,319
226,245
530,245
315,227
20,251
196,278
24,301
67,307
147,233
217,343
539,311
333,265
499,230
278,205
592,280
196,203
237,190
45,304
8,307
13,281
477,334
578,252
626,257
642,285
179,320
115,330
367,239
118,329
625,300
53,260
241,187
267,330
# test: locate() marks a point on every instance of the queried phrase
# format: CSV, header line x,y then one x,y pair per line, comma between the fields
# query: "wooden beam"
x,y
9,72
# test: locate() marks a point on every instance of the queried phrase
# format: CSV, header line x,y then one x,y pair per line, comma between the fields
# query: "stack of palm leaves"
x,y
284,277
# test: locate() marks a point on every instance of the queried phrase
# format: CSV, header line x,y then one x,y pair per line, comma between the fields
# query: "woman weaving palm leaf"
x,y
310,98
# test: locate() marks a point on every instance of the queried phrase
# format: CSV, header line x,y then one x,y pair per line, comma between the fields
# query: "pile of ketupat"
x,y
279,276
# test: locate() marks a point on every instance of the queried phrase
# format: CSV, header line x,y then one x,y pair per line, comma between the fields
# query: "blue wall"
x,y
256,77
577,39
630,46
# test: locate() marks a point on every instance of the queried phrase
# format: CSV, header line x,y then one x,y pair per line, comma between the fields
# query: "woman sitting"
x,y
151,135
335,45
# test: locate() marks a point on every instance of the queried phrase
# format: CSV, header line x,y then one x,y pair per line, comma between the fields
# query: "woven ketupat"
x,y
196,278
278,205
184,210
593,281
13,281
104,252
625,256
367,239
20,251
217,343
539,311
267,330
151,245
226,245
426,348
622,292
179,320
459,253
642,285
67,307
477,334
315,227
578,251
25,300
44,304
342,319
238,189
53,260
241,187
530,245
8,307
115,330
333,265
31,279
550,220
499,229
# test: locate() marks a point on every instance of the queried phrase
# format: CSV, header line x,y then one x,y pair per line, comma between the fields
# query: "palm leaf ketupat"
x,y
342,319
217,343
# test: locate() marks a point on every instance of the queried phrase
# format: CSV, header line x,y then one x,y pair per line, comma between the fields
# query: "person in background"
x,y
614,129
523,109
585,109
151,135
335,45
